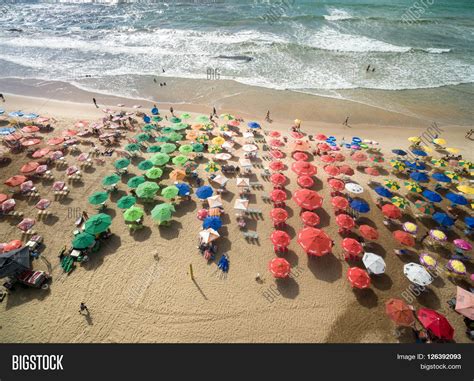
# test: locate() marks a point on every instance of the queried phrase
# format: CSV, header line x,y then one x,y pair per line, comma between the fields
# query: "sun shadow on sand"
x,y
429,299
366,298
288,288
110,246
326,268
23,294
382,282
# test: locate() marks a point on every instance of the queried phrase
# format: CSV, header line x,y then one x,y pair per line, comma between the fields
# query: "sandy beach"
x,y
138,287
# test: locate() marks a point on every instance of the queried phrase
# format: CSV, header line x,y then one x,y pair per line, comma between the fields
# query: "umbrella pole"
x,y
191,271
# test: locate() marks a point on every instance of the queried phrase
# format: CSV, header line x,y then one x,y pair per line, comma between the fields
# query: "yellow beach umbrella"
x,y
466,189
452,150
438,235
392,185
439,141
218,141
410,227
457,266
398,165
414,139
400,202
439,163
413,186
426,148
429,260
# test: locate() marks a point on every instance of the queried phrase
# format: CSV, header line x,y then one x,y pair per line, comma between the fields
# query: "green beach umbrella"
x,y
226,117
179,160
202,119
98,198
162,212
145,165
132,147
168,148
111,180
179,126
167,130
175,120
82,241
135,181
162,139
148,127
170,192
157,118
154,173
160,159
126,202
122,163
142,137
133,214
185,116
153,149
147,189
98,224
198,147
186,148
175,137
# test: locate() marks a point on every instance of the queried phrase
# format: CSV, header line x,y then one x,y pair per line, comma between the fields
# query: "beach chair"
x,y
266,198
251,236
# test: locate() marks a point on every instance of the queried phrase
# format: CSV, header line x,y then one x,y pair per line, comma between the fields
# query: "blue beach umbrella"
x,y
204,192
441,177
7,130
419,152
431,196
384,192
16,114
212,222
155,111
356,140
469,221
146,119
183,189
456,199
399,152
419,176
443,219
360,205
253,125
415,165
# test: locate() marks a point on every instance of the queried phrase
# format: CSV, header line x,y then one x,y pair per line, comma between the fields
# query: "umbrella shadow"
x,y
382,282
185,207
366,298
290,256
109,246
326,268
116,195
429,299
288,287
23,294
171,231
324,217
376,248
50,220
142,234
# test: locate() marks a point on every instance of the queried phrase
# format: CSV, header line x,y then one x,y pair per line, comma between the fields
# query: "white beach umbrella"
x,y
221,180
250,148
417,274
214,201
243,182
374,263
208,235
223,156
354,188
245,163
241,204
228,145
248,135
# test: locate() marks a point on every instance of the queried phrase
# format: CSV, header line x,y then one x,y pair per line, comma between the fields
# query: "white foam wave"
x,y
337,15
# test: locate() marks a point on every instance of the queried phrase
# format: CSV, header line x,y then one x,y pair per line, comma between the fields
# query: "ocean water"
x,y
319,47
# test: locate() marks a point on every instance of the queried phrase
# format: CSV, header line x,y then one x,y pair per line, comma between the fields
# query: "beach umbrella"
x,y
336,184
372,171
135,181
204,192
414,139
324,147
321,137
167,148
376,158
443,219
424,207
27,186
148,127
413,187
399,152
352,246
179,126
26,224
241,204
30,129
41,152
310,218
417,274
177,175
145,165
208,235
221,180
110,180
440,163
71,170
83,241
274,134
415,165
226,117
358,278
304,168
462,244
198,147
211,167
179,160
55,141
143,137
280,238
126,202
314,241
354,188
277,154
219,140
300,156
277,165
202,119
465,189
398,311
392,185
215,201
223,156
456,199
438,235
173,137
147,189
431,196
439,141
278,215
154,173
212,223
469,221
397,165
465,303
404,238
435,323
183,189
384,192
279,267
98,198
132,147
160,159
8,205
13,245
332,170
299,145
43,204
373,263
3,197
359,157
456,267
253,125
441,177
345,221
419,176
419,152
162,212
133,214
328,159
278,179
160,139
305,181
277,195
56,155
307,199
360,206
249,148
58,186
428,261
368,232
339,202
174,119
186,148
98,223
399,202
170,192
29,167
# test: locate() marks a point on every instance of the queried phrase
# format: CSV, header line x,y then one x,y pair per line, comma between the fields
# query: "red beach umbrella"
x,y
328,159
279,215
321,137
399,312
324,147
304,168
280,238
310,218
404,238
55,141
346,170
12,245
277,154
274,134
279,267
276,143
30,142
305,181
358,278
435,323
372,171
30,129
345,221
339,157
29,167
300,156
3,197
297,135
14,181
359,157
368,232
277,165
277,195
314,241
336,184
352,246
340,202
391,211
332,170
278,179
307,199
41,152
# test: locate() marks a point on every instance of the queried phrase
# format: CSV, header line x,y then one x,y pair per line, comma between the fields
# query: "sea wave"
x,y
337,15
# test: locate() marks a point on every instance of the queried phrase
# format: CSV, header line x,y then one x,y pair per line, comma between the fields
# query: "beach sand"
x,y
138,287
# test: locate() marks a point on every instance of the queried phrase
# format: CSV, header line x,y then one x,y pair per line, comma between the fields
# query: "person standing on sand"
x,y
214,112
2,97
83,308
172,110
346,122
267,117
95,102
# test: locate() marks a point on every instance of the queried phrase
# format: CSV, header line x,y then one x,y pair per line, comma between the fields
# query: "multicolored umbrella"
x,y
399,202
424,207
456,266
428,261
410,227
413,187
438,235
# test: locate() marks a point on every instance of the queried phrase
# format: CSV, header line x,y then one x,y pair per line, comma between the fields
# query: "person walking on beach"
x,y
2,97
346,122
214,111
83,308
267,118
172,110
95,102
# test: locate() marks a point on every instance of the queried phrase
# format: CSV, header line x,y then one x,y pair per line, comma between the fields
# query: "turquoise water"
x,y
318,47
